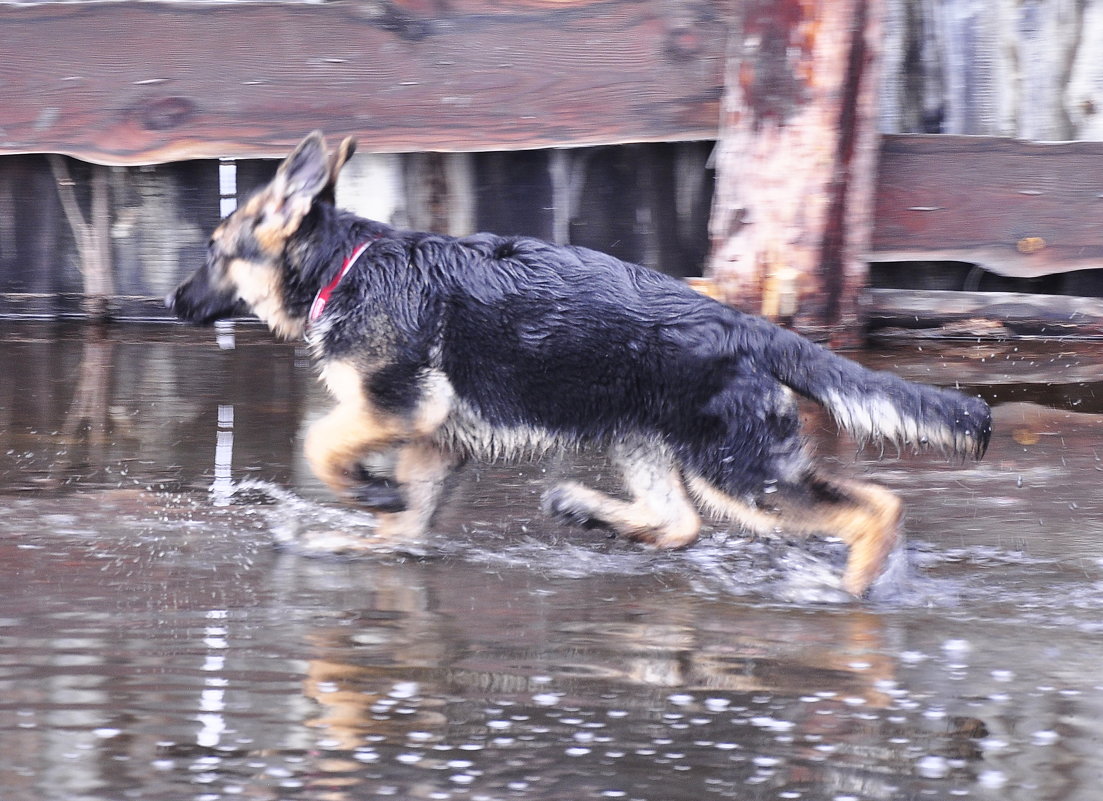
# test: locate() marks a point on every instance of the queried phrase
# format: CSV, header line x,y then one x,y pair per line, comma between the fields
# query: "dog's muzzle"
x,y
196,301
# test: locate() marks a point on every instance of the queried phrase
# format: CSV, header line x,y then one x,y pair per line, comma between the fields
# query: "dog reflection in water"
x,y
437,348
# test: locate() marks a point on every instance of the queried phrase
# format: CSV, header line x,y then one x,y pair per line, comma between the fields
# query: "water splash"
x,y
309,528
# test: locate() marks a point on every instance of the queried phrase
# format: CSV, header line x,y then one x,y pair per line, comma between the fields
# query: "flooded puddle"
x,y
159,638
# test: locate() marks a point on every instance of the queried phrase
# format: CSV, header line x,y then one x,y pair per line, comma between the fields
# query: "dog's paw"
x,y
561,504
378,494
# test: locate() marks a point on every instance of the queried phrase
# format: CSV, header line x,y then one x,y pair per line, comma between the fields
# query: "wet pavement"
x,y
161,639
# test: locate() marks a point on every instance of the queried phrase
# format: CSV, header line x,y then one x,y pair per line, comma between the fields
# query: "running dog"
x,y
437,348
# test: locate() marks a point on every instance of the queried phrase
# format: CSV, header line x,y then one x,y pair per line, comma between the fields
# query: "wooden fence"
x,y
115,116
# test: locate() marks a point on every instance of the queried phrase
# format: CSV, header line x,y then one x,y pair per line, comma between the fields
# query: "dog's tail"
x,y
874,405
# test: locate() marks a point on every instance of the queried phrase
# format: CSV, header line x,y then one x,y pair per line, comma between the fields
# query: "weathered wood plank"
x,y
795,163
147,82
73,306
1015,363
986,314
1019,209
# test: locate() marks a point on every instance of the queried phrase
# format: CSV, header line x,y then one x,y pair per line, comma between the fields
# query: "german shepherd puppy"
x,y
436,348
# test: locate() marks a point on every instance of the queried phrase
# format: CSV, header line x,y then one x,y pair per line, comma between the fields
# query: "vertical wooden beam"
x,y
92,235
440,192
795,163
99,267
563,175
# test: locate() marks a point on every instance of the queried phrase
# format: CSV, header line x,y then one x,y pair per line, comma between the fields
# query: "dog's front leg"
x,y
337,443
420,470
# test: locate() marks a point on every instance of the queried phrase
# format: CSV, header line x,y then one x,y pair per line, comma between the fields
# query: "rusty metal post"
x,y
796,164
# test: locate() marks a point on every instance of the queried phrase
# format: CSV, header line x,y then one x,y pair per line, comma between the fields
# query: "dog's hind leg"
x,y
660,512
863,515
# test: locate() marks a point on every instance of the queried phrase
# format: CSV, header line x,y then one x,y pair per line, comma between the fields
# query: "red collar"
x,y
322,298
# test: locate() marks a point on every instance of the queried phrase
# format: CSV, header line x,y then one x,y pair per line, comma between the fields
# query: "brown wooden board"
x,y
141,83
985,315
1019,209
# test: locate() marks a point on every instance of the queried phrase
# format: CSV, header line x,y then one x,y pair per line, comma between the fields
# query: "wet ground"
x,y
157,643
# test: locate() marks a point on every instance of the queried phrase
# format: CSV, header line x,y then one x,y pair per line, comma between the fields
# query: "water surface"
x,y
158,642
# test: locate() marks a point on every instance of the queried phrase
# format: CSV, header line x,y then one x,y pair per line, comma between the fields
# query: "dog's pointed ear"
x,y
344,152
340,157
299,179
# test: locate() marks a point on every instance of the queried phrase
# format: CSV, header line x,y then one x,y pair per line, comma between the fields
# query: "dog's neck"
x,y
322,298
315,257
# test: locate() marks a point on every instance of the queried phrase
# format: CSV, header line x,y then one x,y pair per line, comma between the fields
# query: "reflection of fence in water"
x,y
88,421
89,414
138,406
223,486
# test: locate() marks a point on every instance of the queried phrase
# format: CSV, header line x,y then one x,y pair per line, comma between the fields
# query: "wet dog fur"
x,y
436,348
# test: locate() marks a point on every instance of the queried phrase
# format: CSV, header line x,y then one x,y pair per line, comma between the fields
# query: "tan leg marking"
x,y
420,469
660,512
865,516
336,443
